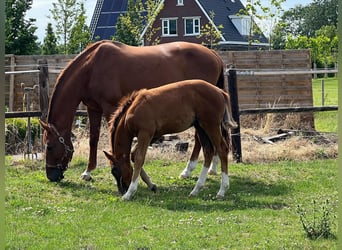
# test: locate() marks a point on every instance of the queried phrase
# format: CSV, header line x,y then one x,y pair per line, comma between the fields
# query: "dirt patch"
x,y
300,146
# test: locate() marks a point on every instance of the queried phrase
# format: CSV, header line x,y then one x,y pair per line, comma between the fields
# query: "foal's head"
x,y
121,170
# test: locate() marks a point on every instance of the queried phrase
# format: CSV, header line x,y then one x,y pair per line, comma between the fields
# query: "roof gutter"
x,y
244,43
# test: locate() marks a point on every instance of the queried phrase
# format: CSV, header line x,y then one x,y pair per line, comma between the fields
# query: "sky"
x,y
40,11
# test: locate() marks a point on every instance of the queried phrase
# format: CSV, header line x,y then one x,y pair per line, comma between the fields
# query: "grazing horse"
x,y
149,114
105,72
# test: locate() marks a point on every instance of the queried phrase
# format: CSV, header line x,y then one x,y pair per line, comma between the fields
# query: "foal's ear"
x,y
44,125
109,155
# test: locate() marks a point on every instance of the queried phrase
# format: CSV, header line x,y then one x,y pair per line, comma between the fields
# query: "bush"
x,y
15,134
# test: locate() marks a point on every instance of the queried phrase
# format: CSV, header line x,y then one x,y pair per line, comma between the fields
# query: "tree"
x,y
50,46
138,17
323,45
278,37
273,16
64,13
305,20
153,7
211,34
19,33
261,12
80,35
129,26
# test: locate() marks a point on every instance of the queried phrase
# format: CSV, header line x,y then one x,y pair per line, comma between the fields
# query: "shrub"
x,y
15,134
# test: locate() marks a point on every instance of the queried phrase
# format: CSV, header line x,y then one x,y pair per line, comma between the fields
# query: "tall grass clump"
x,y
317,222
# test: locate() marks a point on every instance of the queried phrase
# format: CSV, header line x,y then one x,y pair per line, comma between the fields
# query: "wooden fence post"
x,y
11,90
43,88
233,92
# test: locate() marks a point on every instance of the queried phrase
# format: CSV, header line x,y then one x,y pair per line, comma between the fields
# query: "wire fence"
x,y
239,72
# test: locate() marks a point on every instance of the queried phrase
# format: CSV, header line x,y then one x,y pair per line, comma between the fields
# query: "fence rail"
x,y
21,72
232,84
287,110
270,72
26,114
243,72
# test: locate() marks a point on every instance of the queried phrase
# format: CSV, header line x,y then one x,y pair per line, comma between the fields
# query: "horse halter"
x,y
67,149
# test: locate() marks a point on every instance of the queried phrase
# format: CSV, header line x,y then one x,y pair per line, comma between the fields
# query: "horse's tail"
x,y
228,120
220,82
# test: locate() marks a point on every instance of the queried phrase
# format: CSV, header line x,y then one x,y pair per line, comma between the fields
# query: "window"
x,y
192,26
245,26
242,24
169,27
180,3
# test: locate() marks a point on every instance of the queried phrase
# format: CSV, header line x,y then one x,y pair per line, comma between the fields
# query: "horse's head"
x,y
122,172
58,152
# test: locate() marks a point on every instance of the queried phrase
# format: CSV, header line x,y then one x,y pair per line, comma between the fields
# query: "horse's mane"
x,y
69,68
123,106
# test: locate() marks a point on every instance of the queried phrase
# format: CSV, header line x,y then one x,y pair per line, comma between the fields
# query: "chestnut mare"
x,y
149,114
105,72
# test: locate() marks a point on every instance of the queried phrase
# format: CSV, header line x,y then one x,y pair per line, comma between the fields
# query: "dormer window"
x,y
180,2
242,24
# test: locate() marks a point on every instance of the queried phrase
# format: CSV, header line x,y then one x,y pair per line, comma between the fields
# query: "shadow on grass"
x,y
172,194
82,187
244,193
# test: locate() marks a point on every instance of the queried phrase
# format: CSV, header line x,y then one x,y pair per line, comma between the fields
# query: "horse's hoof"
x,y
193,194
212,172
86,176
184,175
154,188
125,198
220,196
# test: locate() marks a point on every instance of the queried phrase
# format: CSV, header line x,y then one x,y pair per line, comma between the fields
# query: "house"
x,y
182,20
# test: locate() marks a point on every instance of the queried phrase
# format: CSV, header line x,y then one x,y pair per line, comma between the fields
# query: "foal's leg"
x,y
208,155
222,151
213,166
221,146
95,124
191,165
144,176
139,158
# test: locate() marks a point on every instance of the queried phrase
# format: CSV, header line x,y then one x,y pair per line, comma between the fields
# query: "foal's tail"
x,y
228,120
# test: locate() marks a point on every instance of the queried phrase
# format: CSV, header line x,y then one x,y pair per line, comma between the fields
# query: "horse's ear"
x,y
109,155
44,125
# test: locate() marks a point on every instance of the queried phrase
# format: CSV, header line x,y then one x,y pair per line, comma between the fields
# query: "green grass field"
x,y
258,212
325,121
330,91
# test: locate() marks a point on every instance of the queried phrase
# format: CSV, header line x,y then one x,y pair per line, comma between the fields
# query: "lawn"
x,y
330,91
325,121
258,212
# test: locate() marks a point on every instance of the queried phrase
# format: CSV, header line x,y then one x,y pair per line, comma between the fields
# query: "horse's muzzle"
x,y
54,174
122,187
